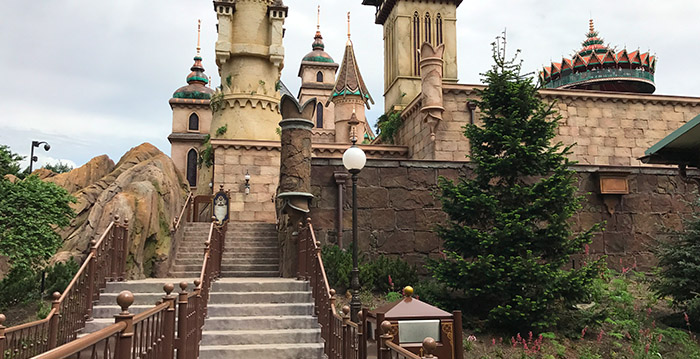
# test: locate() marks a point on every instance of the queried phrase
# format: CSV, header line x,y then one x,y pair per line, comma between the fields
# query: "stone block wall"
x,y
398,211
263,164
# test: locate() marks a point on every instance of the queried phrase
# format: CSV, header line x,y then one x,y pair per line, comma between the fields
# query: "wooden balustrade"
x,y
343,338
105,262
153,333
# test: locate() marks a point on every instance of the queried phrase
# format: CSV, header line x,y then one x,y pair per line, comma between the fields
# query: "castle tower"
x,y
250,56
191,122
407,25
317,73
350,96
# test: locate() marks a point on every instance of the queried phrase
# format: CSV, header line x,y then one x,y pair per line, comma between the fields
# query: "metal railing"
x,y
343,338
70,310
154,333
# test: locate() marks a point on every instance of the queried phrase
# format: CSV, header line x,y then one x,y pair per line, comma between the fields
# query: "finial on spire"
x,y
348,25
590,25
199,31
318,19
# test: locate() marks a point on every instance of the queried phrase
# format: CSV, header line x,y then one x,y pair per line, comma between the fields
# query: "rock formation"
x,y
144,187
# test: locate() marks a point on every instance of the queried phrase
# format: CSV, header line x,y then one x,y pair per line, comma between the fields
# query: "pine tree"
x,y
507,240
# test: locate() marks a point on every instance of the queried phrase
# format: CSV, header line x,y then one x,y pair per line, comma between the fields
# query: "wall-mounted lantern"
x,y
612,185
247,182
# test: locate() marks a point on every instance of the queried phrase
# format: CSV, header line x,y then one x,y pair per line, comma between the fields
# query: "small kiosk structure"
x,y
412,321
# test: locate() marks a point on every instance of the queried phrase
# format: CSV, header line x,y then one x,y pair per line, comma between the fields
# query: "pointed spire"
x,y
590,25
350,82
197,74
318,19
199,32
318,39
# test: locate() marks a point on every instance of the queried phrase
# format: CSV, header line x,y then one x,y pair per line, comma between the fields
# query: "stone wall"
x,y
607,128
397,209
262,161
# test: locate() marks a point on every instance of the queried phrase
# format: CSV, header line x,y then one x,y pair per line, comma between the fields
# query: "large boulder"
x,y
145,188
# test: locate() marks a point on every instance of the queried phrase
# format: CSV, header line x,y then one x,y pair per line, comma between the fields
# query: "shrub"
x,y
338,265
59,276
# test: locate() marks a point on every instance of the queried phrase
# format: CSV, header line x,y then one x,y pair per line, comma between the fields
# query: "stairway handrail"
x,y
178,219
70,310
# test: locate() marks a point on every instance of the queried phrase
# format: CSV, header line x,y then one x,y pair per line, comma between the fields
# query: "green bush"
x,y
19,286
374,274
59,276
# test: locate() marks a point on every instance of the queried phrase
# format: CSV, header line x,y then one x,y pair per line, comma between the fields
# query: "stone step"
x,y
184,274
140,297
265,309
188,260
254,250
269,351
229,268
259,285
278,336
230,254
261,322
259,297
232,245
96,324
108,311
247,274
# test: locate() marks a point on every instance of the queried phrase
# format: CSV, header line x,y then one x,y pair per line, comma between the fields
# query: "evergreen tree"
x,y
9,161
508,238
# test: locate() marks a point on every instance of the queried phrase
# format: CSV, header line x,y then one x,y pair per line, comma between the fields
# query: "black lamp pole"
x,y
355,304
33,158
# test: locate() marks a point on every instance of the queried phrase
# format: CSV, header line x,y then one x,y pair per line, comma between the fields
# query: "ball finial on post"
x,y
183,286
168,288
125,300
429,346
408,291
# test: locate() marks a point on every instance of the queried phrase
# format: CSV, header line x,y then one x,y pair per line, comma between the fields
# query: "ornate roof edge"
x,y
188,102
320,150
384,8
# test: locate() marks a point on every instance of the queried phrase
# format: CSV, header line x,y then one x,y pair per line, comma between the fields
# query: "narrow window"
x,y
319,76
319,115
438,29
416,44
194,122
427,28
192,167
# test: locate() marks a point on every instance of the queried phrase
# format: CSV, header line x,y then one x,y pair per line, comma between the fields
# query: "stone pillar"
x,y
295,176
431,64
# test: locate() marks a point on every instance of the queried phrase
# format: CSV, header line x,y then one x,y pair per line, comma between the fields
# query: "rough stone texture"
x,y
397,211
145,188
84,175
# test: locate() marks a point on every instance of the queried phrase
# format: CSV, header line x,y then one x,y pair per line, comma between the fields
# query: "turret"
x,y
350,96
250,56
407,25
317,73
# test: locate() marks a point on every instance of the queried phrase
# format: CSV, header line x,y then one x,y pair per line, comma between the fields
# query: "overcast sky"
x,y
95,77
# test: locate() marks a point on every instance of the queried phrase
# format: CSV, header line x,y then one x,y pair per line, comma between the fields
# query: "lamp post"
x,y
354,160
33,158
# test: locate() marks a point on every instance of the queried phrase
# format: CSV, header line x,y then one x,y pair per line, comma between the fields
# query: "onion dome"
x,y
350,82
196,81
598,67
317,54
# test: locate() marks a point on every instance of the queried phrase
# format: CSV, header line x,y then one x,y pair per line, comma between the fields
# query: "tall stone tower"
x,y
317,73
407,25
191,123
250,57
350,96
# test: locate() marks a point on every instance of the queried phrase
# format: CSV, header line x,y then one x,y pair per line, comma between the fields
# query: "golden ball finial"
x,y
408,291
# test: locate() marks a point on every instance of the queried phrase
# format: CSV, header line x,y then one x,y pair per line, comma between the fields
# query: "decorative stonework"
x,y
431,84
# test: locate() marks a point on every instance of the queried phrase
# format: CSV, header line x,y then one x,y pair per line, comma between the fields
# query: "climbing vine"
x,y
387,125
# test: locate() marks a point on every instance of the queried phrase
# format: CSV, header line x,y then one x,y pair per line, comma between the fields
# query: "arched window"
x,y
194,122
416,44
427,28
319,76
319,115
438,29
192,167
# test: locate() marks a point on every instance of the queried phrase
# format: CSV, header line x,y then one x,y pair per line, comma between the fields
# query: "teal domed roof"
x,y
318,55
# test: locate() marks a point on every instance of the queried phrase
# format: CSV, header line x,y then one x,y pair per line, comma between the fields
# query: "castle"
x,y
604,98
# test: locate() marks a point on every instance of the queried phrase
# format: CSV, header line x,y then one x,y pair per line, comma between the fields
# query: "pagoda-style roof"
x,y
350,82
410,308
598,67
384,8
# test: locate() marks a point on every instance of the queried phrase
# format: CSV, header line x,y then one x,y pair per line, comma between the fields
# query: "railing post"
x,y
124,241
92,268
457,330
3,338
122,347
429,346
53,323
169,323
182,321
378,334
328,327
345,333
300,254
361,340
198,317
384,351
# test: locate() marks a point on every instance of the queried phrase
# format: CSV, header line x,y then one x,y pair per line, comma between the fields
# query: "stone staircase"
x,y
252,312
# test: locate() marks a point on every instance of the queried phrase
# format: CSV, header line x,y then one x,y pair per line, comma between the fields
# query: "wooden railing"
x,y
70,310
343,338
154,333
